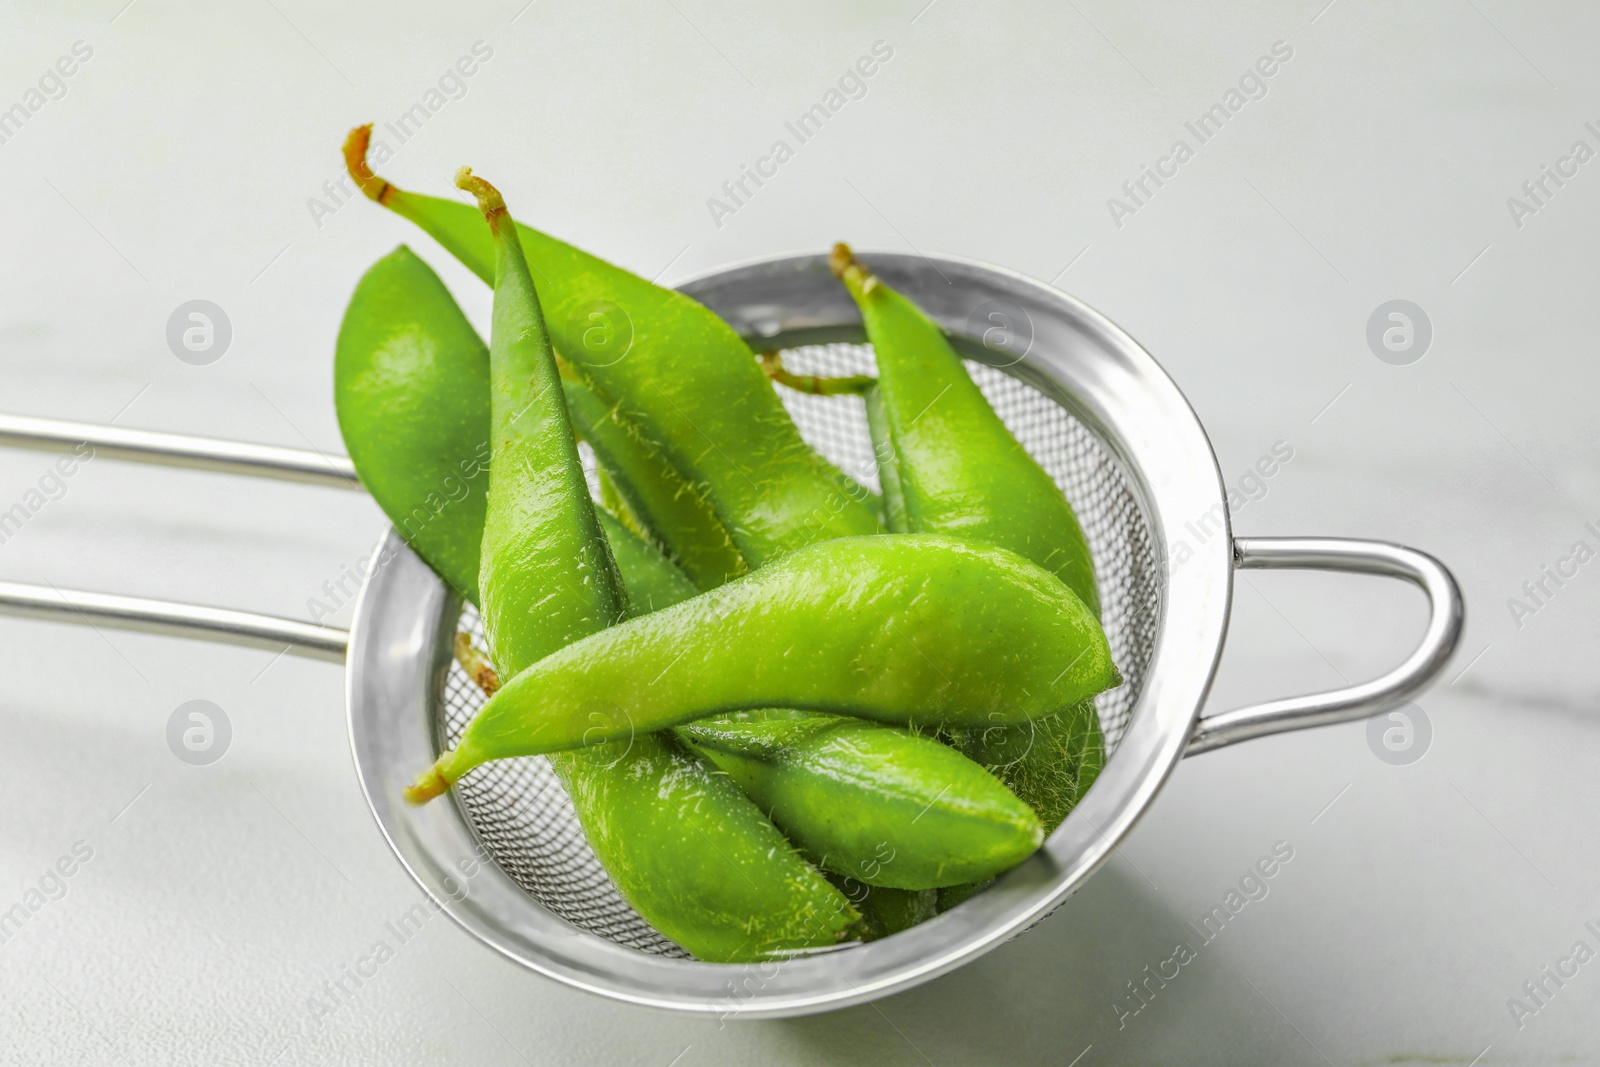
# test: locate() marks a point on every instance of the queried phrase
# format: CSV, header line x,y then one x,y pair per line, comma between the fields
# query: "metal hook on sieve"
x,y
1447,614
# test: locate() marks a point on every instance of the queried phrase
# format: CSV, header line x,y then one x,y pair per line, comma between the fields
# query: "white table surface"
x,y
178,165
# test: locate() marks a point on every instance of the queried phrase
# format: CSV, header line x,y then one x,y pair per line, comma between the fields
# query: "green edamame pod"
x,y
411,388
666,829
679,373
959,468
872,801
948,463
908,628
546,576
653,491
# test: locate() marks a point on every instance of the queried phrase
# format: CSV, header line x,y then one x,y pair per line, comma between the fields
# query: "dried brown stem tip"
x,y
840,259
429,784
355,161
490,202
850,270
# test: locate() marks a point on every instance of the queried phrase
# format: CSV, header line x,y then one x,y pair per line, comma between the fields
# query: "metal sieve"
x,y
1081,395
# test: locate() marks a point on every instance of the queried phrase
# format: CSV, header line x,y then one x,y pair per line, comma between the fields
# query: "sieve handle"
x,y
164,616
180,620
1447,612
179,450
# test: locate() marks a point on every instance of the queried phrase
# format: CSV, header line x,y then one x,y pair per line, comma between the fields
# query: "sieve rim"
x,y
405,620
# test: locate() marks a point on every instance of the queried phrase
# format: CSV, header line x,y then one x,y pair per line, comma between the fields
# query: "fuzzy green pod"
x,y
956,466
913,629
548,577
411,388
948,463
870,801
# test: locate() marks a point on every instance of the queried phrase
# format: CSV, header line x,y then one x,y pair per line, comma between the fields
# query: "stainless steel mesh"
x,y
522,814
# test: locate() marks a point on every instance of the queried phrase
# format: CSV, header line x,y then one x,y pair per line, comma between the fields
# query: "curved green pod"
x,y
947,463
908,628
671,834
870,801
678,372
546,574
411,388
958,468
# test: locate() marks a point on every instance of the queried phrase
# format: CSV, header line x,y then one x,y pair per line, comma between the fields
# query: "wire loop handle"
x,y
1446,616
221,625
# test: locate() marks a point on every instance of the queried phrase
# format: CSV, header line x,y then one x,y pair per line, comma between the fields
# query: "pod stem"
x,y
490,202
476,663
850,270
815,384
356,143
437,780
431,783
